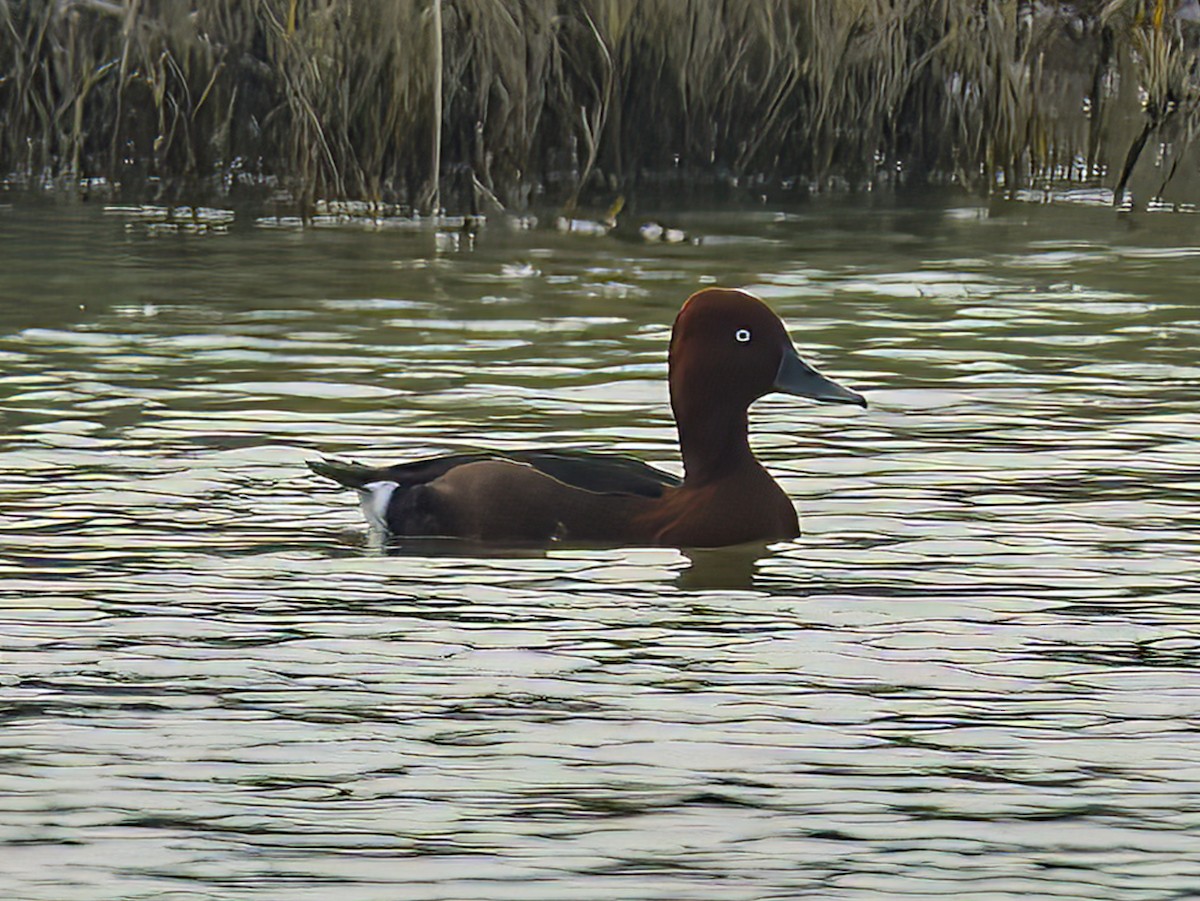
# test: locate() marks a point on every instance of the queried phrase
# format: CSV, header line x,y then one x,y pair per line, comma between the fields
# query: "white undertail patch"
x,y
374,498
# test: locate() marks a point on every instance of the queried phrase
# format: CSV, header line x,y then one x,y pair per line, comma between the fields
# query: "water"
x,y
976,674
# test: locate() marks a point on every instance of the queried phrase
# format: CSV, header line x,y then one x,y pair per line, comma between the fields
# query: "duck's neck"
x,y
713,440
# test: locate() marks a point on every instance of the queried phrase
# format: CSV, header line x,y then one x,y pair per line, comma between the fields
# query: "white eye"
x,y
742,335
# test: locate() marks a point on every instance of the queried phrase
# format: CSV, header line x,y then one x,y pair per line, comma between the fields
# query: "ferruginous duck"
x,y
727,350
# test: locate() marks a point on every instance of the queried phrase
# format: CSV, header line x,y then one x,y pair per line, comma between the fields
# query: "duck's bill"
x,y
797,377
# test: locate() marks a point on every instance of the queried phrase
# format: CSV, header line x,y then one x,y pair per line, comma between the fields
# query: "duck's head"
x,y
727,346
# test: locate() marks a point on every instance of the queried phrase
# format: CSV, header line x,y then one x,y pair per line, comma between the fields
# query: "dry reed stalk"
x,y
437,64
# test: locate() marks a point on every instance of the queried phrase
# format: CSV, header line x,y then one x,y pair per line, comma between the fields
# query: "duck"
x,y
654,232
727,350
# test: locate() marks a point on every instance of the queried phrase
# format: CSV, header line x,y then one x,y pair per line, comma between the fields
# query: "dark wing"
x,y
418,472
598,473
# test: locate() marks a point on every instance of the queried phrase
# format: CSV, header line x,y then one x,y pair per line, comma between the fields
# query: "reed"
x,y
519,100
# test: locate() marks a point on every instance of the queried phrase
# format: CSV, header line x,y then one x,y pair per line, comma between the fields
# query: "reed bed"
x,y
514,102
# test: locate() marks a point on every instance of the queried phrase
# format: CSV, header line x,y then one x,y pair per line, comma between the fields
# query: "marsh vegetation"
x,y
484,102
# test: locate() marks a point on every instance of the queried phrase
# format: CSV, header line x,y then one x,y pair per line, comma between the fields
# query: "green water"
x,y
977,672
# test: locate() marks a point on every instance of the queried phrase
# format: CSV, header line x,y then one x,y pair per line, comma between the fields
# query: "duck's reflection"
x,y
701,569
728,567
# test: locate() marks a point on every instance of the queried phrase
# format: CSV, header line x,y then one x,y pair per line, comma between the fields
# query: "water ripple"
x,y
977,672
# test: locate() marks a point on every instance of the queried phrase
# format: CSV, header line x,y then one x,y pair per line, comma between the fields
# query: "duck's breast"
x,y
738,509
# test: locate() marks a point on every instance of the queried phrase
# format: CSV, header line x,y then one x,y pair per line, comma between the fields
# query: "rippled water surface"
x,y
975,675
